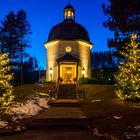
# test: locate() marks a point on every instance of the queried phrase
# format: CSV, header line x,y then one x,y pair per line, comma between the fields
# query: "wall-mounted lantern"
x,y
83,72
51,72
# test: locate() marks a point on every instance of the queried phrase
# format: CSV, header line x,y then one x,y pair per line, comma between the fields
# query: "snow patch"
x,y
20,111
28,109
117,117
96,100
3,124
103,135
43,94
42,103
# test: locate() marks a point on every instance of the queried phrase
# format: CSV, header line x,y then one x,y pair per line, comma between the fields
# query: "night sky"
x,y
44,14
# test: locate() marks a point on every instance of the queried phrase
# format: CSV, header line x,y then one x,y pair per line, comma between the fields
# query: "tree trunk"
x,y
21,63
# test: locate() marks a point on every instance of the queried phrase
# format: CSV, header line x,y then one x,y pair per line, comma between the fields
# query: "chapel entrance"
x,y
68,72
68,68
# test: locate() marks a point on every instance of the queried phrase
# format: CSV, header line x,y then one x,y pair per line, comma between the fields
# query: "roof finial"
x,y
68,2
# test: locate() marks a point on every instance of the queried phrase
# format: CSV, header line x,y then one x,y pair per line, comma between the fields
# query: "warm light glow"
x,y
68,72
85,44
68,49
51,43
127,85
81,42
51,71
69,14
83,71
6,97
57,48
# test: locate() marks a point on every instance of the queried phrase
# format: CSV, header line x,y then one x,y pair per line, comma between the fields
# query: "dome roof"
x,y
68,30
69,7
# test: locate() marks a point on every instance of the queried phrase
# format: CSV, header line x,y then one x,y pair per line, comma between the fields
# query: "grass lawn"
x,y
23,92
101,105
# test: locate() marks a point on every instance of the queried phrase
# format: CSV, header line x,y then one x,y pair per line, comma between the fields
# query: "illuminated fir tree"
x,y
6,88
128,77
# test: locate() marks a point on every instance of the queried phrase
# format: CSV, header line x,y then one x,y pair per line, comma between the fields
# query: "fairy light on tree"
x,y
128,77
6,88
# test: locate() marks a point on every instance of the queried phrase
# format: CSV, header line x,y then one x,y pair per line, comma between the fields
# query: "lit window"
x,y
69,15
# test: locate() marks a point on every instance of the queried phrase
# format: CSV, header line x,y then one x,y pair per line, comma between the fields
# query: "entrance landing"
x,y
67,91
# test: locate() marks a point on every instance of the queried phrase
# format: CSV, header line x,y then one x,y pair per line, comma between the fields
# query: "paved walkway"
x,y
62,112
57,123
60,133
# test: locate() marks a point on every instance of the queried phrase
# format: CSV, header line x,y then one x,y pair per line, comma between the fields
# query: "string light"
x,y
6,89
128,76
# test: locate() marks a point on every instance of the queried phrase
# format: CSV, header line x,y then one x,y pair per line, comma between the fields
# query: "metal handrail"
x,y
57,89
77,89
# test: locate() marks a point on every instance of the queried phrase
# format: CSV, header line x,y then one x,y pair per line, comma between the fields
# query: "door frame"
x,y
67,63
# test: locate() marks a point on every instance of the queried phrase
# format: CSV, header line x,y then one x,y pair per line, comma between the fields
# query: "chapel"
x,y
68,50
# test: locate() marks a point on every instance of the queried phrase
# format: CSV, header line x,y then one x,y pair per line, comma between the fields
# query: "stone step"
x,y
64,103
60,116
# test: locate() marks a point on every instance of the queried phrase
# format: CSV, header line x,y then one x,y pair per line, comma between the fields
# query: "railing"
x,y
53,90
80,90
57,90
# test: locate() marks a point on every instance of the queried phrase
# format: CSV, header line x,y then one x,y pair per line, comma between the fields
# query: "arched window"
x,y
69,14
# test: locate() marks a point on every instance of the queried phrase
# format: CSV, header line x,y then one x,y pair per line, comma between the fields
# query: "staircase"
x,y
67,91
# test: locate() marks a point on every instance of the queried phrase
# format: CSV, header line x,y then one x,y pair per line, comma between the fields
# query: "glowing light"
x,y
51,43
83,71
5,77
51,71
85,43
127,86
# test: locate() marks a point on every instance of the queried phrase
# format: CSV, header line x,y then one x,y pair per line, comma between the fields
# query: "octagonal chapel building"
x,y
68,50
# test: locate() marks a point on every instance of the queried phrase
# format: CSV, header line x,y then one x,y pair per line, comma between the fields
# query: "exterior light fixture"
x,y
51,90
83,72
51,72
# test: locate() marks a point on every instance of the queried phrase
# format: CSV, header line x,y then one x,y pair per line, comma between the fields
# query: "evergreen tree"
x,y
6,88
14,39
123,20
8,37
24,29
102,59
128,77
28,65
35,63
